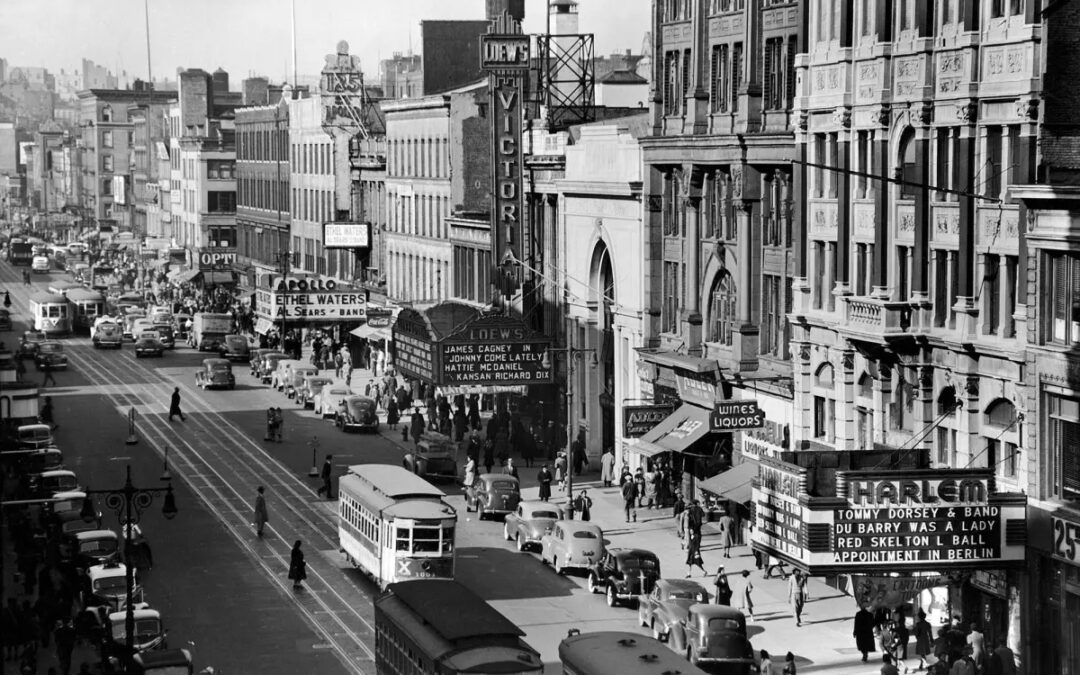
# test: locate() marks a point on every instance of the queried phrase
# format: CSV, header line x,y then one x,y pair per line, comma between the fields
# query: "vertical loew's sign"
x,y
504,55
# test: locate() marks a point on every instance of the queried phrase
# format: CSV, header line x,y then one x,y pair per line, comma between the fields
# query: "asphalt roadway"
x,y
222,591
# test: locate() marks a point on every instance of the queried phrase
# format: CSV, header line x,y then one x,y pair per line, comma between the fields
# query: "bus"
x,y
605,652
439,627
52,313
395,525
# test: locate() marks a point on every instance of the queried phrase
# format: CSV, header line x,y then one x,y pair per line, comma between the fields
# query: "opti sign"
x,y
736,415
216,258
346,235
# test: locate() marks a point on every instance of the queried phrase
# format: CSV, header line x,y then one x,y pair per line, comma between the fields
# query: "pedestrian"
x,y
695,518
583,505
607,467
864,631
797,595
501,445
279,424
789,664
924,638
470,472
65,644
560,470
650,488
903,634
639,483
680,523
577,453
629,495
339,362
49,377
526,443
510,469
417,425
326,475
887,667
489,455
693,555
392,413
269,424
722,594
261,517
727,532
1002,659
765,667
174,405
978,646
746,603
297,566
461,423
544,479
46,414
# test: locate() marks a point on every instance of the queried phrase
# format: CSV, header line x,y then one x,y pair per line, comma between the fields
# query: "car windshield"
x,y
97,546
110,585
687,595
145,629
640,563
584,534
545,514
723,624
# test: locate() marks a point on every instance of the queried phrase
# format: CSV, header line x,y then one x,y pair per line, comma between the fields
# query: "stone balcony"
x,y
876,319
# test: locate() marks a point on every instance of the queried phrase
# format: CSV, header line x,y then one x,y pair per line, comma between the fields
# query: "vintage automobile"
x,y
107,334
622,574
529,522
5,319
166,335
94,547
310,388
235,348
38,461
34,436
255,357
268,364
432,458
281,373
149,633
106,586
572,544
48,483
164,662
148,346
28,344
357,412
181,325
160,313
295,379
668,604
50,356
328,400
714,635
492,494
215,374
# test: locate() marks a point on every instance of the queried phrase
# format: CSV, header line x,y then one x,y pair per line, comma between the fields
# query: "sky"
x,y
252,37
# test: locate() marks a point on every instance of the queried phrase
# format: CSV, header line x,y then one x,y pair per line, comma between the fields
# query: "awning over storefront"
x,y
679,431
263,325
733,484
218,278
683,361
368,332
183,276
450,392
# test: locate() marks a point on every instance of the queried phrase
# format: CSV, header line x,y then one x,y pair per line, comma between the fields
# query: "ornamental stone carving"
x,y
1028,109
842,117
922,114
967,112
848,360
804,352
926,377
803,121
736,181
971,387
881,116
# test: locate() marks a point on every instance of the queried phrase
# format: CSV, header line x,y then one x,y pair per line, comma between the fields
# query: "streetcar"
x,y
439,627
606,652
86,307
395,525
52,313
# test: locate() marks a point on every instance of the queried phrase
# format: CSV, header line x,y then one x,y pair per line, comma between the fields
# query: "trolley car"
x,y
395,525
52,313
606,652
86,306
439,627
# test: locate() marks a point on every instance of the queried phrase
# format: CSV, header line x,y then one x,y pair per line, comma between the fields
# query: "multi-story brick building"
x,y
149,143
262,204
312,186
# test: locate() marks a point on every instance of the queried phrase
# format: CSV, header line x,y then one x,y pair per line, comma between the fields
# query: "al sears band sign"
x,y
494,351
311,299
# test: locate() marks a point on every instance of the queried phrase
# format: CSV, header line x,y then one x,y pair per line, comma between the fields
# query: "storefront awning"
x,y
218,278
451,392
370,333
183,276
263,325
733,484
679,431
693,364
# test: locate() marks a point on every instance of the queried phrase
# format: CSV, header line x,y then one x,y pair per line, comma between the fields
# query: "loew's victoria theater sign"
x,y
903,520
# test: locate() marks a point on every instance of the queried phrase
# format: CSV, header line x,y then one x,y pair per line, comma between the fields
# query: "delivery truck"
x,y
208,331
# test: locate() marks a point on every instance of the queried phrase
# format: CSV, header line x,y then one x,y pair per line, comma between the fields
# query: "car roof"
x,y
539,506
315,377
631,553
140,614
497,476
57,472
33,427
96,534
680,584
216,362
359,397
339,390
29,333
108,570
578,526
718,612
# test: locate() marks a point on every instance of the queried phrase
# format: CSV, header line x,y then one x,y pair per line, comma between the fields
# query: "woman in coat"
x,y
297,566
924,638
261,516
560,470
723,592
470,472
392,416
607,468
544,479
864,632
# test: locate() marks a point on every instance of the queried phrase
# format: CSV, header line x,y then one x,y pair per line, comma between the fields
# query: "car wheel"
x,y
594,583
555,564
520,540
612,599
506,533
662,637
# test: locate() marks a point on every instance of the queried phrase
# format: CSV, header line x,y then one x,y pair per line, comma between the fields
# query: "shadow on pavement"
x,y
477,565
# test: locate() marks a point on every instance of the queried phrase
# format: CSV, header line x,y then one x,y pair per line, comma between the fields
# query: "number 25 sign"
x,y
1066,540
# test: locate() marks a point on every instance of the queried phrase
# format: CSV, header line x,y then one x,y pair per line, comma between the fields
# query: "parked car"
x,y
106,586
714,635
70,522
269,366
529,522
5,319
40,460
149,630
622,574
255,358
492,494
328,400
148,346
50,356
34,436
48,483
295,379
310,388
28,344
235,348
357,412
668,604
215,374
433,457
281,374
94,547
572,544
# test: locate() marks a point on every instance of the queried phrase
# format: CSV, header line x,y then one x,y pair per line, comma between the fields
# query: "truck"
x,y
208,331
22,252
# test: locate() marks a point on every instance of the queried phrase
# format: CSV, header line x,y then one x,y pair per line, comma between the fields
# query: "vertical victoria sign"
x,y
504,55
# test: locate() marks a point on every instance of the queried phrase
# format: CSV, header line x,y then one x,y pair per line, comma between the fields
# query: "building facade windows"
x,y
824,405
221,201
1062,445
669,311
723,310
1061,301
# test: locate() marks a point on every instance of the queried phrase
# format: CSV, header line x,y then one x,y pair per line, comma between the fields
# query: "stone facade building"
x,y
263,195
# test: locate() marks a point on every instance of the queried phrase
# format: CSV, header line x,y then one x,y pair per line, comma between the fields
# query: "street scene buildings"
x,y
788,288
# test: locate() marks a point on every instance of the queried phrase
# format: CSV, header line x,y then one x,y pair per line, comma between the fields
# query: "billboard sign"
x,y
414,346
295,299
639,420
341,89
735,416
216,259
495,350
346,235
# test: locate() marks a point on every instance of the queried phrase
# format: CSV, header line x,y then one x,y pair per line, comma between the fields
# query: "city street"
x,y
223,592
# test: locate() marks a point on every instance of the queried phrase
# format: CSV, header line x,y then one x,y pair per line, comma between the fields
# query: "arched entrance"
x,y
603,292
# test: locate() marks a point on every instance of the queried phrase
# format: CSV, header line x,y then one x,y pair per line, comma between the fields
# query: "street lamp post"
x,y
129,502
571,354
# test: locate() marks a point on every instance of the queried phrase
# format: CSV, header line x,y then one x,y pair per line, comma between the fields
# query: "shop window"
x,y
1063,444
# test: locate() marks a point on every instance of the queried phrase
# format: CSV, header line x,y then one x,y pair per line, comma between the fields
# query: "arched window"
x,y
106,114
864,412
824,376
724,309
907,165
1001,437
1001,413
824,404
947,405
